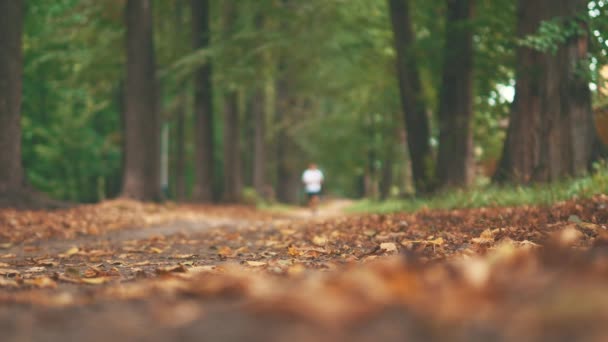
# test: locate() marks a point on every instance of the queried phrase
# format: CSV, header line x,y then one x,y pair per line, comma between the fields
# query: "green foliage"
x,y
71,121
554,33
491,196
339,60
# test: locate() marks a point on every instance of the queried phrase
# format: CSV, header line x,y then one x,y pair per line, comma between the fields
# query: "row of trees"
x,y
292,80
551,134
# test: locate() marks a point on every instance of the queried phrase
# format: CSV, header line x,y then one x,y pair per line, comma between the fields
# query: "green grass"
x,y
493,195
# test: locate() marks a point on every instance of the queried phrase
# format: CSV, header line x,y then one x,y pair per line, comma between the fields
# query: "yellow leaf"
x,y
70,252
41,282
438,241
293,251
319,240
95,281
225,251
156,250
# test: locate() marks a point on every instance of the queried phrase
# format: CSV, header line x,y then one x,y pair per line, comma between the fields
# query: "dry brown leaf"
x,y
41,282
256,263
388,247
47,262
8,282
8,272
169,269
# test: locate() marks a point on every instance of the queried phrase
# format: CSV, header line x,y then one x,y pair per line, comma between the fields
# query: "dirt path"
x,y
241,275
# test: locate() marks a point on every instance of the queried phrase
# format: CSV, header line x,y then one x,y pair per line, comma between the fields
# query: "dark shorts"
x,y
312,194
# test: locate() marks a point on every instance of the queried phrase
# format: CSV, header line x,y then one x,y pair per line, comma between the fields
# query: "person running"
x,y
313,181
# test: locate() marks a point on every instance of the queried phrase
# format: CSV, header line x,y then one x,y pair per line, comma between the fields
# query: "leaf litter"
x,y
490,273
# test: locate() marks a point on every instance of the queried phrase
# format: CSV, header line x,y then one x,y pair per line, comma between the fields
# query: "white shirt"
x,y
312,180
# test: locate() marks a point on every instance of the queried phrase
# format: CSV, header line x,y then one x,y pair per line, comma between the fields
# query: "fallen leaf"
x,y
41,282
319,240
256,263
8,272
47,263
96,281
176,268
182,256
388,247
293,251
69,252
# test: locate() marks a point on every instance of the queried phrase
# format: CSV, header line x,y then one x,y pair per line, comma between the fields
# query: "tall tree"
x,y
203,105
11,64
180,150
287,157
412,103
551,132
259,122
233,183
455,157
141,179
180,114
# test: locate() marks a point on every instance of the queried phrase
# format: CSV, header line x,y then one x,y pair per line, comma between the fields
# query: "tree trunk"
x,y
142,120
259,122
203,106
414,109
233,184
259,140
386,180
180,146
11,65
551,133
455,164
288,174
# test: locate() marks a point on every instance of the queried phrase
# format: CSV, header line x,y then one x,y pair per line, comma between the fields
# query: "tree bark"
x,y
455,163
259,140
551,133
180,147
233,184
288,174
142,120
203,106
414,109
11,65
259,122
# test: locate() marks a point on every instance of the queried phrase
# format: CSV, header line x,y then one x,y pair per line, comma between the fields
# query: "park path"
x,y
185,227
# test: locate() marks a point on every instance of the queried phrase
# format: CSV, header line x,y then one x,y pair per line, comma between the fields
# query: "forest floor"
x,y
127,271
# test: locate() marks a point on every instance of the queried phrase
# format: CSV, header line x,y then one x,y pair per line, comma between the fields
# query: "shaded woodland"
x,y
228,101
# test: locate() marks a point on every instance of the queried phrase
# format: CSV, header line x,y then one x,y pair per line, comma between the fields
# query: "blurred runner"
x,y
313,180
